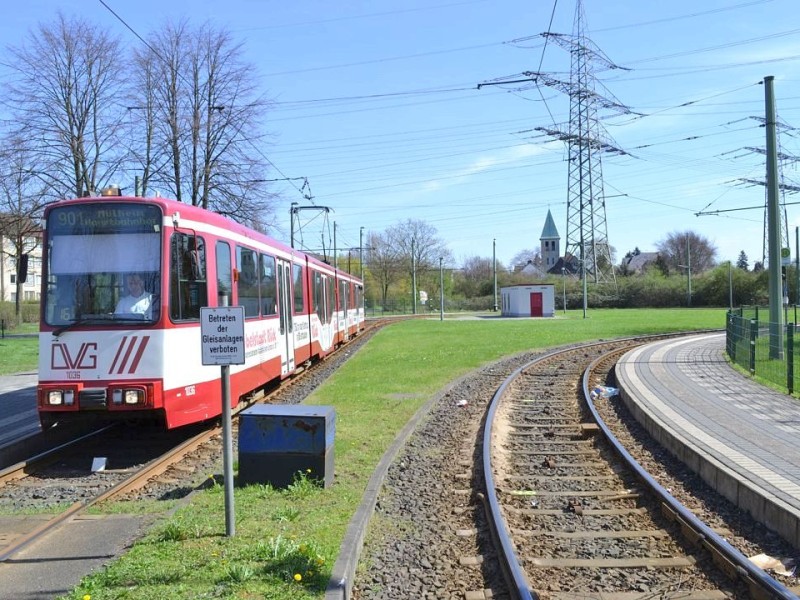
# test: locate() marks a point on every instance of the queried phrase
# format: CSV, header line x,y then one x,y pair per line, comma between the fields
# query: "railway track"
x,y
59,483
574,514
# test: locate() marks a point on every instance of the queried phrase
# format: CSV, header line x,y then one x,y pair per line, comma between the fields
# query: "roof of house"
x,y
529,269
637,262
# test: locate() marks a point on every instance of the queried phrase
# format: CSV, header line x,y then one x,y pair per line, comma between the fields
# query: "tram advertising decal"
x,y
260,342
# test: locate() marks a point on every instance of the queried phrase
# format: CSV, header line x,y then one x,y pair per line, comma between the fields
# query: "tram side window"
x,y
331,292
269,296
188,286
247,286
318,293
343,295
299,292
224,275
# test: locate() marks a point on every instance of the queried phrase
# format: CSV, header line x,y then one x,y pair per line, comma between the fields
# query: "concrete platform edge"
x,y
765,508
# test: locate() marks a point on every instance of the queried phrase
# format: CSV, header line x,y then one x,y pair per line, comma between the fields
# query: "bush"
x,y
28,313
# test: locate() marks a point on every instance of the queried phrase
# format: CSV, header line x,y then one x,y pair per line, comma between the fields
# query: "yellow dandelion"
x,y
308,470
87,597
298,577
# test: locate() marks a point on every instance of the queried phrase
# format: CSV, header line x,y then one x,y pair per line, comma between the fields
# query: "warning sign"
x,y
222,335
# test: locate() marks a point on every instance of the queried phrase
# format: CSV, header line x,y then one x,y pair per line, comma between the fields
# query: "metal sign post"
x,y
222,335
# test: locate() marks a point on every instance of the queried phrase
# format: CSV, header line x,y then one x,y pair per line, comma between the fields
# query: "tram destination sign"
x,y
222,335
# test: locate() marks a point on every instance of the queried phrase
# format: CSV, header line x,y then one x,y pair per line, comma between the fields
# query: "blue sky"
x,y
376,104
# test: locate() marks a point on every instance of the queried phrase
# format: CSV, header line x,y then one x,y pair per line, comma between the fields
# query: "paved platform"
x,y
741,437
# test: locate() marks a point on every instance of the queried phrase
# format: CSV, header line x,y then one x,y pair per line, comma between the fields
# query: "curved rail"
x,y
139,478
761,584
714,542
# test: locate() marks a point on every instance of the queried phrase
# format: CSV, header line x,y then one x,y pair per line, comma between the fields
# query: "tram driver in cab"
x,y
138,301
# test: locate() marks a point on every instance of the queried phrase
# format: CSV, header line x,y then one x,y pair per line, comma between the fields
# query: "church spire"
x,y
550,243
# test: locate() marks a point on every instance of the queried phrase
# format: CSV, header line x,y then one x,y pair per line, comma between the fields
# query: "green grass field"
x,y
287,541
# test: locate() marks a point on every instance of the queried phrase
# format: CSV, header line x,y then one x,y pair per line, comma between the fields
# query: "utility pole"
x,y
797,265
774,229
292,210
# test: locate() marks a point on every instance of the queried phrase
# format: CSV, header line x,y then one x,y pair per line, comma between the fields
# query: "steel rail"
x,y
18,470
715,543
516,578
137,479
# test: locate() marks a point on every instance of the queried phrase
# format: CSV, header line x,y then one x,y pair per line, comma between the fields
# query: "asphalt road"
x,y
18,418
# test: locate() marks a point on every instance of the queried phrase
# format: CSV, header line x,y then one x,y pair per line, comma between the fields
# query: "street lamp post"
x,y
688,267
441,290
494,270
413,276
361,261
730,284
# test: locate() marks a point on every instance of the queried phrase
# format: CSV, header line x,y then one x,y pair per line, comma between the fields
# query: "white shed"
x,y
528,300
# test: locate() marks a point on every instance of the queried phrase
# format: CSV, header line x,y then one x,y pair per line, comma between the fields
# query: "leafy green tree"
x,y
741,262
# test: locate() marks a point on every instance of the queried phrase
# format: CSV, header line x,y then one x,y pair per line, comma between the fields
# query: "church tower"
x,y
550,243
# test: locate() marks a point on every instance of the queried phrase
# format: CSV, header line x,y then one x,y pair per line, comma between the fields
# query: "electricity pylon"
x,y
587,140
783,186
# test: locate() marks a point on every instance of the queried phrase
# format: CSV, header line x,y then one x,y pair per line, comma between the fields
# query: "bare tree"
x,y
201,121
418,239
385,263
23,195
523,257
64,96
476,277
687,248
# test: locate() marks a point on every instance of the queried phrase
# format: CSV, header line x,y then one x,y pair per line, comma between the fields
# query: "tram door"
x,y
344,303
285,312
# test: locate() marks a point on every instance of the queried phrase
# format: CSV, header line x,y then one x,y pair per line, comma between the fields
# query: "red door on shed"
x,y
536,304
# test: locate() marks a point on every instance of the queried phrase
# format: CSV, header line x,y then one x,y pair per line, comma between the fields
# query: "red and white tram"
x,y
109,349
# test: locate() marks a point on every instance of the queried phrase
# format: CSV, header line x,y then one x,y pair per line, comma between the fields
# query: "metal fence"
x,y
765,349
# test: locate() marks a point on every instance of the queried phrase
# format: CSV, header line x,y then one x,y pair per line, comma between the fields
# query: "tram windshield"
x,y
103,263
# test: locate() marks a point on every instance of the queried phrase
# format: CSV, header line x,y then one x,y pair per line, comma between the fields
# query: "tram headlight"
x,y
59,397
134,396
130,396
